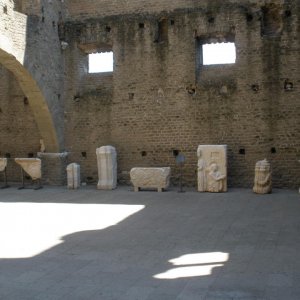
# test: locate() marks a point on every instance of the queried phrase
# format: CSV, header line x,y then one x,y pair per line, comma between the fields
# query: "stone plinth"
x,y
212,168
73,176
32,166
263,177
107,167
158,178
3,164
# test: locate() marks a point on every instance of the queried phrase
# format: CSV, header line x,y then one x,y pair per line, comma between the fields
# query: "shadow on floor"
x,y
234,245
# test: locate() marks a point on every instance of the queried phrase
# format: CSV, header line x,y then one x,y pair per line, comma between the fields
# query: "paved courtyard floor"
x,y
104,245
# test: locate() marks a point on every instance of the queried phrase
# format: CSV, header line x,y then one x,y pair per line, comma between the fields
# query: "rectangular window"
x,y
101,62
219,53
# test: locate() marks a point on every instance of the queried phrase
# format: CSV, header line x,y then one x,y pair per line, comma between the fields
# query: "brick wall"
x,y
30,48
44,56
19,135
100,8
87,112
158,100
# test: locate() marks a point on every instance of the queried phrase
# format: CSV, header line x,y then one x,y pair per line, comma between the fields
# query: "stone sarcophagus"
x,y
32,166
3,164
263,177
73,176
212,168
158,178
107,167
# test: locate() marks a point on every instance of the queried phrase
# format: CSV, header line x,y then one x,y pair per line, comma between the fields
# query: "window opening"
x,y
219,53
101,62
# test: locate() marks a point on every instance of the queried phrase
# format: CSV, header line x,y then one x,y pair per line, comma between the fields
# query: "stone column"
x,y
263,177
73,175
107,167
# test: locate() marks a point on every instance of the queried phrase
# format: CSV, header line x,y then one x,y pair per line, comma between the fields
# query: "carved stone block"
x,y
158,178
263,177
32,166
73,175
212,168
3,164
107,167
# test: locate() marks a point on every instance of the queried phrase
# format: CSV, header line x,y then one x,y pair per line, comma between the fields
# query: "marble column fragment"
x,y
107,167
73,175
263,177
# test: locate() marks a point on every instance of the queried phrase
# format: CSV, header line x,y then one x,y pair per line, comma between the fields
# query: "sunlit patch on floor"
x,y
28,229
193,265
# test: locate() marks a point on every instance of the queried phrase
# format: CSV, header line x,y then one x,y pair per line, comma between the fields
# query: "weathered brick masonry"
x,y
160,98
32,90
19,134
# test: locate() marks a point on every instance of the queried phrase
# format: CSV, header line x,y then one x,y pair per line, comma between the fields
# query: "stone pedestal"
x,y
73,176
32,166
158,178
107,167
262,179
212,168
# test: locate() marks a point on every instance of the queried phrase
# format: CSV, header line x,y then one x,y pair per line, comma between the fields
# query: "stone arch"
x,y
36,100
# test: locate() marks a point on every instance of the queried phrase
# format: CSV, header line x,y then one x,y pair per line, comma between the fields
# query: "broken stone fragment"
x,y
3,164
32,166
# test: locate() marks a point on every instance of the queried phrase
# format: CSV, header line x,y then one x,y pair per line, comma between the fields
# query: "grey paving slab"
x,y
138,293
90,244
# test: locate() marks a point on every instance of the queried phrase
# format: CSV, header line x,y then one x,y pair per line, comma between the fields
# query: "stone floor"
x,y
89,244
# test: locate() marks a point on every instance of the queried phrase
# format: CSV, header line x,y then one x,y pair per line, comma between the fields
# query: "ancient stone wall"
x,y
88,9
30,47
160,99
87,112
101,8
44,56
19,136
32,84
